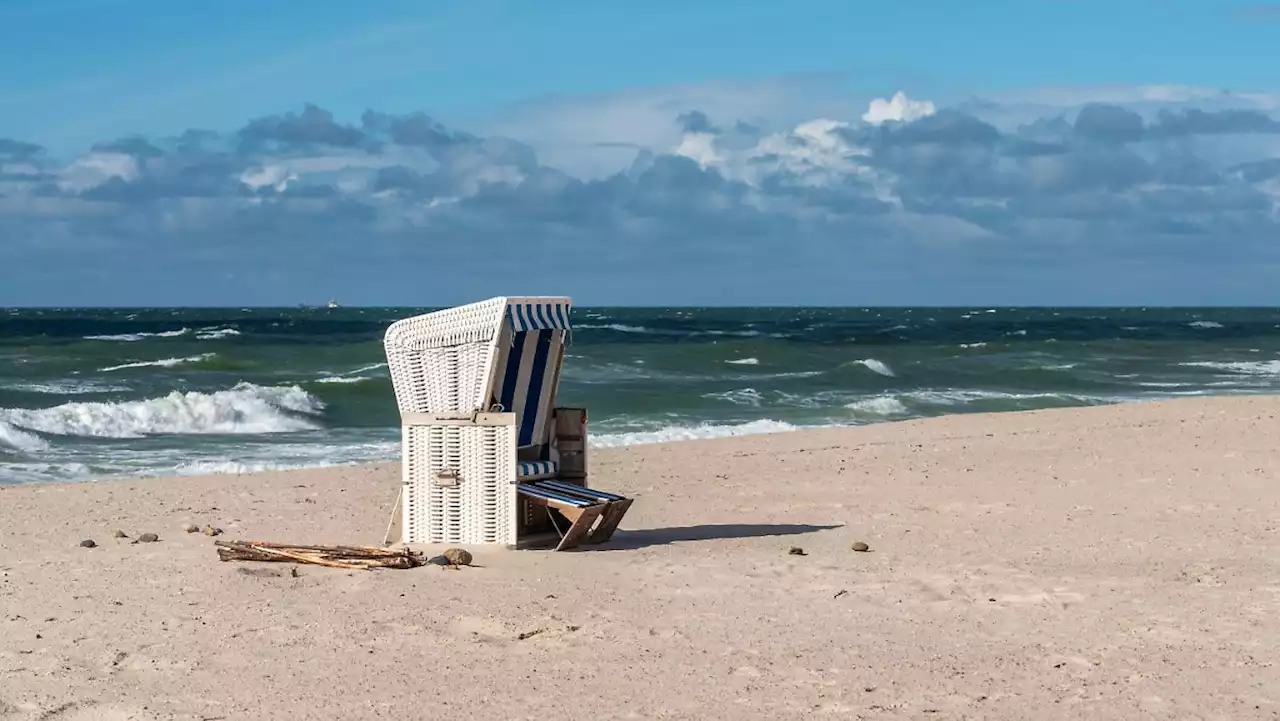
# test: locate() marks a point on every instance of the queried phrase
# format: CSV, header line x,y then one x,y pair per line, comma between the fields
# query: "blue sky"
x,y
75,71
611,134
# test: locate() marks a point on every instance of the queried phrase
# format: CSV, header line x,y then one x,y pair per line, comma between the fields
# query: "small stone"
x,y
119,534
87,543
457,557
191,528
211,531
796,551
148,538
861,547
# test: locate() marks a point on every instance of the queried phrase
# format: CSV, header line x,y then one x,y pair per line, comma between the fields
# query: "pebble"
x,y
119,534
87,543
211,531
458,556
796,551
148,538
861,547
191,528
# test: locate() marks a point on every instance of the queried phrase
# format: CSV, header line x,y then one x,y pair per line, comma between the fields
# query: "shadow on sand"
x,y
644,538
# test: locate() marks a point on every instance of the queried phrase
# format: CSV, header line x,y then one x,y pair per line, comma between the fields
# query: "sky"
x,y
1029,152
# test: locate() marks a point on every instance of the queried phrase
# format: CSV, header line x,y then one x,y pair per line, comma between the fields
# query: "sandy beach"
x,y
1113,562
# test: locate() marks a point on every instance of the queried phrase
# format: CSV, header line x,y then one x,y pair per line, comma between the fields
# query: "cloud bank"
x,y
1114,195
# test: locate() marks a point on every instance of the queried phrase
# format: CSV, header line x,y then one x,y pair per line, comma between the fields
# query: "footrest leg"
x,y
613,513
581,520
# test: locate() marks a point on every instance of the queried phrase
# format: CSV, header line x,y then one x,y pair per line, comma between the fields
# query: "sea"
x,y
94,394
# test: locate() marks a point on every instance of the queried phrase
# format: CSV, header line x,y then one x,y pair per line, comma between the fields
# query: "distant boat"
x,y
333,304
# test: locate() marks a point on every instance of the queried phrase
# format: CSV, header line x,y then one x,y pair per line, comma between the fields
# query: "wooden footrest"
x,y
581,507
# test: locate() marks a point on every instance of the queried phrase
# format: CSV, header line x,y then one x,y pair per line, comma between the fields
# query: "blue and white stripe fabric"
x,y
527,470
526,379
528,367
548,315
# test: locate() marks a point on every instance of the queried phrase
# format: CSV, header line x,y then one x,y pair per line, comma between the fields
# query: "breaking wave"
x,y
162,363
66,388
878,406
689,433
244,409
15,439
876,366
216,333
1252,368
343,379
131,337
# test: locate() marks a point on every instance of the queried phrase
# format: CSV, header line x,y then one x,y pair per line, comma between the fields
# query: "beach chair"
x,y
487,457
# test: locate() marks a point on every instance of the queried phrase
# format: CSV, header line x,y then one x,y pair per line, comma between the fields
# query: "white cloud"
x,y
276,177
700,147
94,169
591,136
899,108
822,195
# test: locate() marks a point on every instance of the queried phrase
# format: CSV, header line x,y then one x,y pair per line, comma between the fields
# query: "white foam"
x,y
210,467
619,327
689,433
876,366
744,361
351,376
66,388
131,337
216,333
162,363
366,369
16,439
973,345
1253,368
742,397
956,397
879,406
1205,324
244,409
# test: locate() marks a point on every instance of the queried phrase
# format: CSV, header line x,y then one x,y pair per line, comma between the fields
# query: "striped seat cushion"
x,y
527,470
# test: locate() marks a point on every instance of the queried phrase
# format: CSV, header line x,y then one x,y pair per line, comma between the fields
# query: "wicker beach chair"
x,y
487,457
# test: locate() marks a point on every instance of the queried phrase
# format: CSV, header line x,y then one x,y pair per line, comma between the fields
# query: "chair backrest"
x,y
502,351
526,376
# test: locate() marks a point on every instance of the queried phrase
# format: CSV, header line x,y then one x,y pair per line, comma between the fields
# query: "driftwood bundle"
x,y
354,557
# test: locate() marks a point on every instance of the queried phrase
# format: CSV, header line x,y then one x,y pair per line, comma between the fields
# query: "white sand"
x,y
1119,562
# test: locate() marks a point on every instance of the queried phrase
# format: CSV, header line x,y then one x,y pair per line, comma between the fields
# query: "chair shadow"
x,y
644,538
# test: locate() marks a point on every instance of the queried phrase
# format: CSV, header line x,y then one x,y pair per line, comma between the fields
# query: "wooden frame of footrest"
x,y
580,513
616,506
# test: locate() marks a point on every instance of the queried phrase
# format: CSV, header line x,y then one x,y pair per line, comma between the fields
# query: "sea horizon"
x,y
106,392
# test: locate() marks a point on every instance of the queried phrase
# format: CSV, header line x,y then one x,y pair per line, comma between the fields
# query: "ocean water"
x,y
88,394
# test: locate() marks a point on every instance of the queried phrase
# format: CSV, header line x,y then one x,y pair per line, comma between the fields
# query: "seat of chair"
x,y
536,470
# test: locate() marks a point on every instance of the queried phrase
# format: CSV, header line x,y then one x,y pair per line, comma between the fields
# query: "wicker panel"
x,y
490,473
476,504
432,511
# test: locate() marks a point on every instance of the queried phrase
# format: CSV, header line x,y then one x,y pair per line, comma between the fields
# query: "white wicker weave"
x,y
459,466
475,500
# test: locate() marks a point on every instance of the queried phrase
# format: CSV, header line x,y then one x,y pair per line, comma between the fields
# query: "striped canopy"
x,y
538,313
